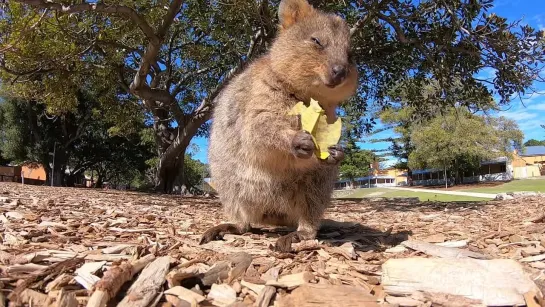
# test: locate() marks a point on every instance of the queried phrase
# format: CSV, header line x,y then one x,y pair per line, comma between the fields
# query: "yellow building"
x,y
530,163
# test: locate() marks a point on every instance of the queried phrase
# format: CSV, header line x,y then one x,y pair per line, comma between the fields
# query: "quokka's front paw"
x,y
302,145
283,244
336,154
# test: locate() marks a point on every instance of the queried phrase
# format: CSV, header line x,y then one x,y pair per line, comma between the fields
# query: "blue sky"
x,y
529,114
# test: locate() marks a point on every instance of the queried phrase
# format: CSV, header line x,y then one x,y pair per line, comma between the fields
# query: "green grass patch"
x,y
423,196
534,185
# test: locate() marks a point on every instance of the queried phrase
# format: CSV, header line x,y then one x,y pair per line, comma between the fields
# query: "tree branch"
x,y
403,39
138,85
22,73
188,75
173,9
253,43
360,23
98,7
205,106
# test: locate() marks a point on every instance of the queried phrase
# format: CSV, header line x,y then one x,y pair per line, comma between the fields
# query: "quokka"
x,y
262,164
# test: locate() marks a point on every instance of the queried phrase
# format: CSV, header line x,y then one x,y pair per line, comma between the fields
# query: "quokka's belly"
x,y
260,197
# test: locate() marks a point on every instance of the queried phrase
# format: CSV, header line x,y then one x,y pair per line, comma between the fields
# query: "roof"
x,y
425,171
534,151
366,178
494,161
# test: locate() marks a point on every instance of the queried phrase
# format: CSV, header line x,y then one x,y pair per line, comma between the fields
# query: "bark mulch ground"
x,y
85,247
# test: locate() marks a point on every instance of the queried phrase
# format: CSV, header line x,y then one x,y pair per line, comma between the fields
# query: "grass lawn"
x,y
535,185
423,196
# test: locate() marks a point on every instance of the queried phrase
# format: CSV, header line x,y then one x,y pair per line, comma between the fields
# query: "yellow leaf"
x,y
314,121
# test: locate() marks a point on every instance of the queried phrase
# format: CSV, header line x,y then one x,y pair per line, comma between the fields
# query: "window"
x,y
503,168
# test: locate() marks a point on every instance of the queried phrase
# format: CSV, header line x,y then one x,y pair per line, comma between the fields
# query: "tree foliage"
x,y
356,163
175,56
460,140
81,140
534,142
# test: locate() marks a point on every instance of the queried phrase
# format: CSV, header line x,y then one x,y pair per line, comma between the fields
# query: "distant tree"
x,y
356,162
534,142
80,140
459,141
195,172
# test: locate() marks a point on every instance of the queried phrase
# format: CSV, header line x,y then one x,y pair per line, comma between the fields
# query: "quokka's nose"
x,y
338,73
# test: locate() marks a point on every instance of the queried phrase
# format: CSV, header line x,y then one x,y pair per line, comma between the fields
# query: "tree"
x,y
31,135
176,56
356,162
117,159
195,172
81,140
460,140
534,142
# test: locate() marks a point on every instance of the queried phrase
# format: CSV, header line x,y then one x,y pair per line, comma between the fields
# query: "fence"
x,y
5,178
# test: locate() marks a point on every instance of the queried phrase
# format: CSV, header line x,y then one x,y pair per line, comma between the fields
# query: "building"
x,y
533,156
529,164
32,172
389,177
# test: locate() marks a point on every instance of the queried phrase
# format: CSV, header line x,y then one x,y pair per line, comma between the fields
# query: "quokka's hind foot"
x,y
217,232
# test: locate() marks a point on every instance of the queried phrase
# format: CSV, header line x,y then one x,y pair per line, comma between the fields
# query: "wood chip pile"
x,y
82,247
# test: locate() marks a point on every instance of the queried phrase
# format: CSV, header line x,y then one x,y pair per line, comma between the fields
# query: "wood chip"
x,y
403,301
498,282
114,279
311,295
222,295
440,251
147,286
291,281
396,249
533,258
34,298
66,299
453,244
254,287
531,299
265,296
59,281
436,238
185,294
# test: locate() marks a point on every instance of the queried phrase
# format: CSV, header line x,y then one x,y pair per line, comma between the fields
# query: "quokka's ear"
x,y
292,11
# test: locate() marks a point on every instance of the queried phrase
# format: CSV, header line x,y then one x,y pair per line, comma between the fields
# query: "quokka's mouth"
x,y
333,84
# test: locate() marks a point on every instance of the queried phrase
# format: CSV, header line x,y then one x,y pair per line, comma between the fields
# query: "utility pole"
x,y
53,166
446,182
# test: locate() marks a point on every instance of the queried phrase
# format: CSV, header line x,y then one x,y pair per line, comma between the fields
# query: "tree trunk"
x,y
171,159
170,173
99,182
58,176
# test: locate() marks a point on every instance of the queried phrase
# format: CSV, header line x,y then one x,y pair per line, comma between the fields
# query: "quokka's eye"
x,y
317,42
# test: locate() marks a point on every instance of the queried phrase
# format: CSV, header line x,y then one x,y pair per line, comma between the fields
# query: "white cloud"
x,y
519,115
537,107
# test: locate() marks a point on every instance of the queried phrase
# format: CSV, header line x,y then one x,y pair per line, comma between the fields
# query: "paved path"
x,y
471,194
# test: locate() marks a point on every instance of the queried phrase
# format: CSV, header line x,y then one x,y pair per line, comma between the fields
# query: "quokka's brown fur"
x,y
262,164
